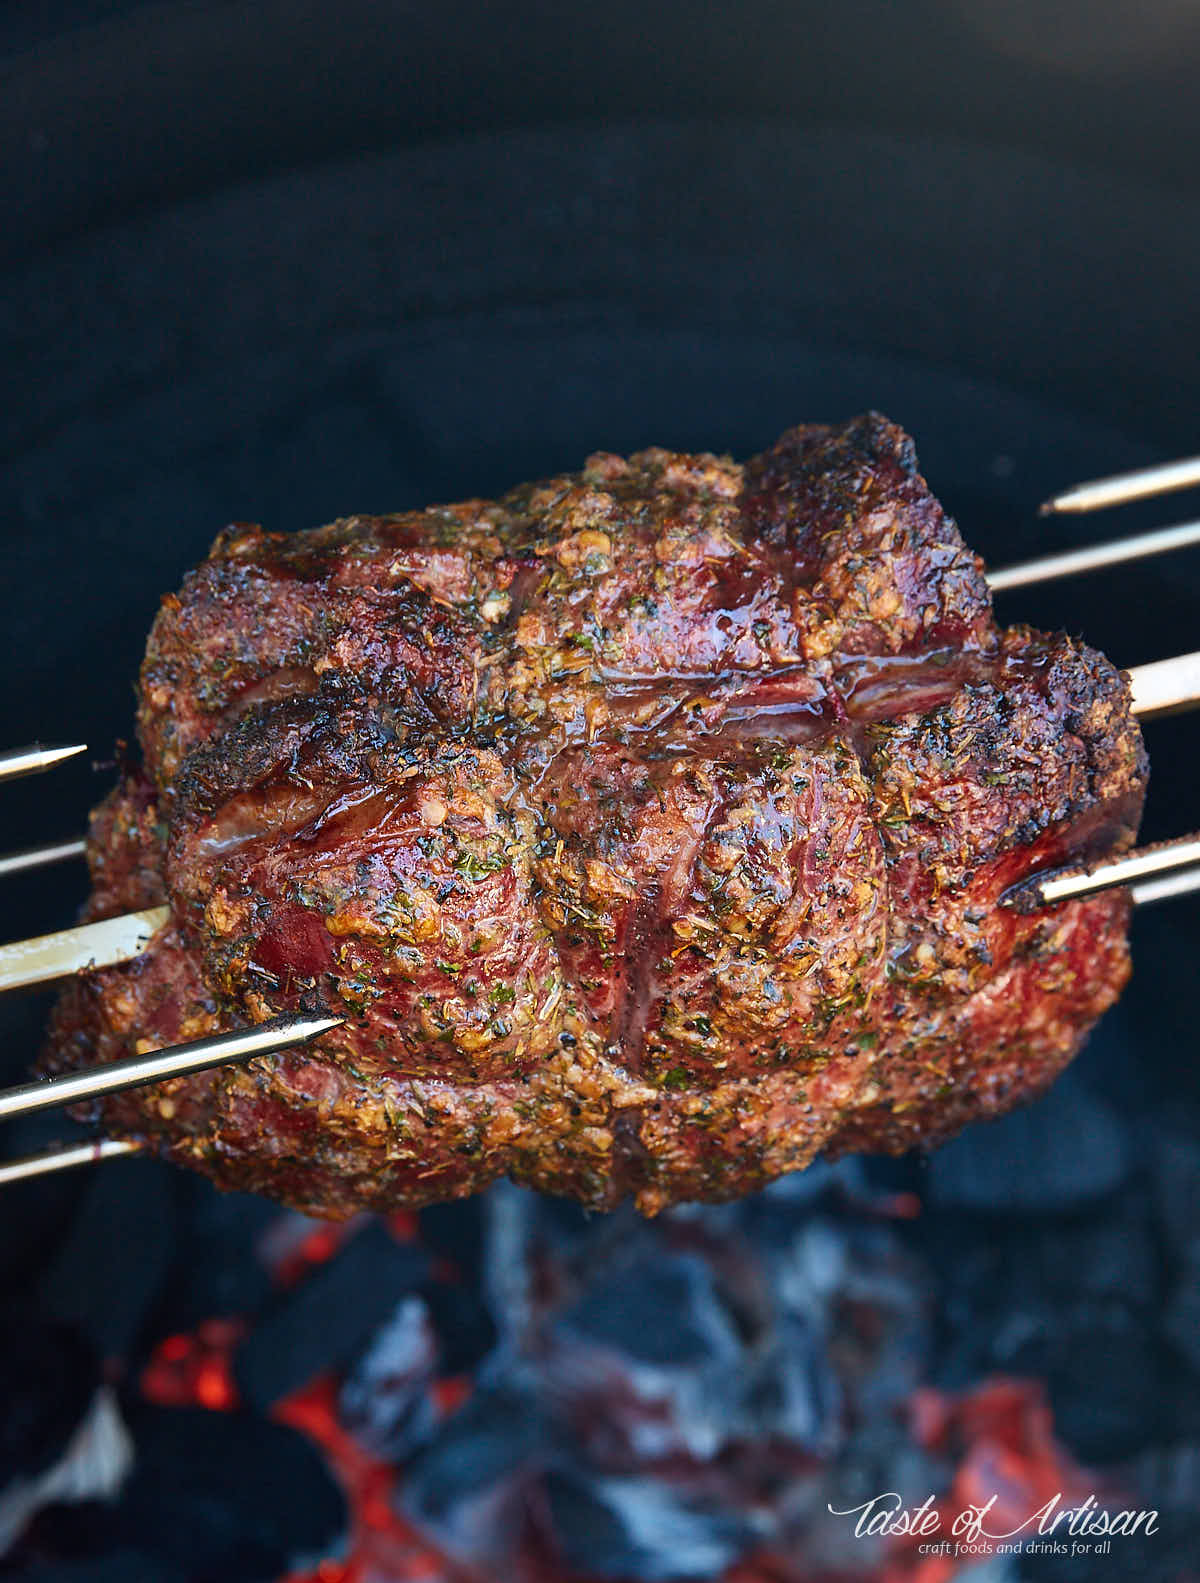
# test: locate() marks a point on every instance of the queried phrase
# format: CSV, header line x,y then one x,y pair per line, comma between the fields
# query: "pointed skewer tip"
x,y
158,1066
64,1159
35,758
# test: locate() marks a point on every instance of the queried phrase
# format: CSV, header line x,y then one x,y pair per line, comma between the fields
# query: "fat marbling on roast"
x,y
646,826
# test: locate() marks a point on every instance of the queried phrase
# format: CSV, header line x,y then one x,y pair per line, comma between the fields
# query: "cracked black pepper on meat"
x,y
647,826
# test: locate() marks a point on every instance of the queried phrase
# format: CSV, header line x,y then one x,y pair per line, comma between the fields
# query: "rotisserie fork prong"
x,y
1081,695
41,856
37,757
1095,557
1122,489
1177,858
1164,883
1159,688
157,1066
64,1159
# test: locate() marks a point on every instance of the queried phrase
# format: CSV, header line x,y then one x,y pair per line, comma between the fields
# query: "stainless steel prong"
x,y
1168,884
92,945
1165,686
41,856
1123,488
27,1165
1167,857
32,760
1185,883
178,1060
1072,563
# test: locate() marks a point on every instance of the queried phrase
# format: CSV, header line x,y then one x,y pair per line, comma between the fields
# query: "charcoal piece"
x,y
1065,1150
464,1327
860,1296
1174,1158
92,1467
470,1488
228,1497
790,1390
1105,1379
48,1377
111,1267
1109,1255
387,1400
121,1566
642,1528
1181,1319
658,1309
217,1267
35,1215
454,1231
326,1320
648,1362
652,1361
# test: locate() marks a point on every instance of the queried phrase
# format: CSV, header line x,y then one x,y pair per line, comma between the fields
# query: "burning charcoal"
x,y
112,1265
228,1497
642,1528
862,1296
1067,1149
470,1489
648,1362
324,1321
387,1399
61,1437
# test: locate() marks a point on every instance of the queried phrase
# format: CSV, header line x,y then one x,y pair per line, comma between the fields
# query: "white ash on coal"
x,y
666,1398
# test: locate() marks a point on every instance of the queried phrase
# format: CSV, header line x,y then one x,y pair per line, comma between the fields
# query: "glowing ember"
x,y
195,1370
382,1546
1003,1435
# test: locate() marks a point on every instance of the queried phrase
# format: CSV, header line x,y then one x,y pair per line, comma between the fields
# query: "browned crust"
x,y
646,826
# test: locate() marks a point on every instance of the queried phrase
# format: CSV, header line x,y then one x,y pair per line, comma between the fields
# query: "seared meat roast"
x,y
647,827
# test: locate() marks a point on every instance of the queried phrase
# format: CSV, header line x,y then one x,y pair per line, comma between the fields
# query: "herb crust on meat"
x,y
646,826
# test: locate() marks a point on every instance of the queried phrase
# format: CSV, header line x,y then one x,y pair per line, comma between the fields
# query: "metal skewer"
x,y
1165,686
1169,884
41,856
1156,873
1046,568
27,1165
92,945
32,760
1123,488
1072,563
1178,858
1185,883
179,1060
1159,688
